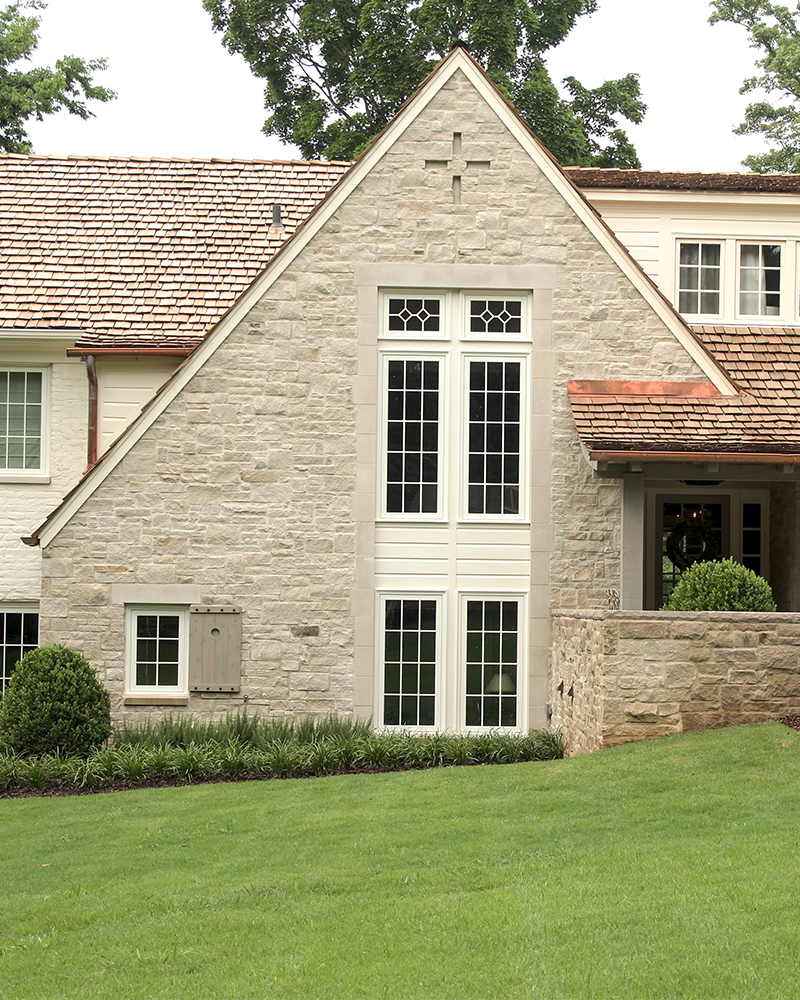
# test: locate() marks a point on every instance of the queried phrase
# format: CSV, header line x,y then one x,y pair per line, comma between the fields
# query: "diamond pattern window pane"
x,y
495,316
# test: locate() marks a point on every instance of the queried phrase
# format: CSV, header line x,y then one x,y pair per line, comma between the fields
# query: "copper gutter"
x,y
129,352
695,457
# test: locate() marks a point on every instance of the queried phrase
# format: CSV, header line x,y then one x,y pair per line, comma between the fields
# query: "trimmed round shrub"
x,y
54,702
723,585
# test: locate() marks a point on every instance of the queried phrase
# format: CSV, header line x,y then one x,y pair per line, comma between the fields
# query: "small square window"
x,y
156,650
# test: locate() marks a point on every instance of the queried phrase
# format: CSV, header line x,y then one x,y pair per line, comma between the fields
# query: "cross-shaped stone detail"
x,y
457,166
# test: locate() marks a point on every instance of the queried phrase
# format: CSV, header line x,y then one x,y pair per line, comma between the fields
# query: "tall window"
x,y
412,437
759,279
494,437
157,650
409,662
699,278
21,420
19,634
492,654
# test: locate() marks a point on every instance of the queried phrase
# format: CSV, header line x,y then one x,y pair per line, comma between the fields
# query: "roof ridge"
x,y
79,157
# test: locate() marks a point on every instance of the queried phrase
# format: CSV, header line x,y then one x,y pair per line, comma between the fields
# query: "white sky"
x,y
181,94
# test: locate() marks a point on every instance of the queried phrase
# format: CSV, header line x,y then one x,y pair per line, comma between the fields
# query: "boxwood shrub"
x,y
54,702
723,585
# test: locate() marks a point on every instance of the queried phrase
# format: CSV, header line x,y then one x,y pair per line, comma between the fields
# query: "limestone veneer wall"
x,y
668,672
252,486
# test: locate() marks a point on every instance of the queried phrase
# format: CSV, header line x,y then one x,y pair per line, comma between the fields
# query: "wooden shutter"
x,y
215,647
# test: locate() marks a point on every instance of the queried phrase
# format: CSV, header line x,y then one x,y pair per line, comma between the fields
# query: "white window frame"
x,y
132,612
24,608
522,516
383,416
521,599
444,298
42,471
721,242
525,334
440,692
785,293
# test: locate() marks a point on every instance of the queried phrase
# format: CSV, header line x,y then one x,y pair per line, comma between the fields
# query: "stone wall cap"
x,y
757,617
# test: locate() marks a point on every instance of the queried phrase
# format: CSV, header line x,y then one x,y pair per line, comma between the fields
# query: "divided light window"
x,y
501,317
20,420
409,662
492,662
19,634
699,278
759,279
157,647
412,437
494,437
415,315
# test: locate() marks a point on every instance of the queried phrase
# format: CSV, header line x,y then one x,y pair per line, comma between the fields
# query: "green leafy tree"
x,y
773,31
33,93
338,70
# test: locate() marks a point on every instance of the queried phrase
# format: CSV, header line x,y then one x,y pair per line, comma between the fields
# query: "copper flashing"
x,y
594,387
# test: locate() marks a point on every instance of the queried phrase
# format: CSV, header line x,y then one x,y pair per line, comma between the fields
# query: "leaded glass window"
x,y
500,317
415,315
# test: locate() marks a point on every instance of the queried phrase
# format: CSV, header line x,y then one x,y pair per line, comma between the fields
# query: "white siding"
x,y
124,387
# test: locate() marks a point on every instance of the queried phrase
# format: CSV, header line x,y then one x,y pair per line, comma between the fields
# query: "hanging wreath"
x,y
696,531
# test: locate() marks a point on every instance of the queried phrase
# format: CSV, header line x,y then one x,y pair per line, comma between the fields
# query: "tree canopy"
x,y
36,92
338,70
774,31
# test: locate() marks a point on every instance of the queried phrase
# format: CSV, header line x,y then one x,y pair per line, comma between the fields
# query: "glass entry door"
x,y
691,529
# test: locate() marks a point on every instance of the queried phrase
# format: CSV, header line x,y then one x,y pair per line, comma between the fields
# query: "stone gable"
x,y
256,484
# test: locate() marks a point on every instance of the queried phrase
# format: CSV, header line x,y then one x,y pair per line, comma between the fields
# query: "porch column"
x,y
631,592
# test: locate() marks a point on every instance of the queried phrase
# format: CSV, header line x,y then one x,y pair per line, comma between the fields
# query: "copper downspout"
x,y
91,374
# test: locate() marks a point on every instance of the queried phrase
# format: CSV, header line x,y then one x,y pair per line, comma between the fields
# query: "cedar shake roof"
x,y
668,180
761,359
142,253
683,419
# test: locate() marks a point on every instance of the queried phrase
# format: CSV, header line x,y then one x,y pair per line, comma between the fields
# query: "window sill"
x,y
37,480
156,699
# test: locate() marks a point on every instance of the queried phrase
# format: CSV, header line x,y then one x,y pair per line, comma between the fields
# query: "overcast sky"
x,y
181,94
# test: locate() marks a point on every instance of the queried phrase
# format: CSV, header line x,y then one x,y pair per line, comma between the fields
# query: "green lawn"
x,y
664,869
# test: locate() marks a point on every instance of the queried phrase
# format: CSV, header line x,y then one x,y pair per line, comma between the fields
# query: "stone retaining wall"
x,y
668,672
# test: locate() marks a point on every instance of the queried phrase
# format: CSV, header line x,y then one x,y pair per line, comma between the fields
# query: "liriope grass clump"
x,y
347,751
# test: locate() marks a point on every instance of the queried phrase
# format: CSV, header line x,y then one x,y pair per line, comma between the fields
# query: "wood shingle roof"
x,y
763,420
141,253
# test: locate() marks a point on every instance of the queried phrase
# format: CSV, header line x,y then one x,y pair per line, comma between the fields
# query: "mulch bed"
x,y
792,721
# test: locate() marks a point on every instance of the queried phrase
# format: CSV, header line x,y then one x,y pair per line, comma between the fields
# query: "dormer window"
x,y
759,279
699,279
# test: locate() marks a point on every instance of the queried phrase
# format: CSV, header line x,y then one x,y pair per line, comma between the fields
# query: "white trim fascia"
x,y
578,203
38,333
457,60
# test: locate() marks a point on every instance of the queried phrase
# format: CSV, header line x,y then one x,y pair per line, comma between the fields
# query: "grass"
x,y
664,869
